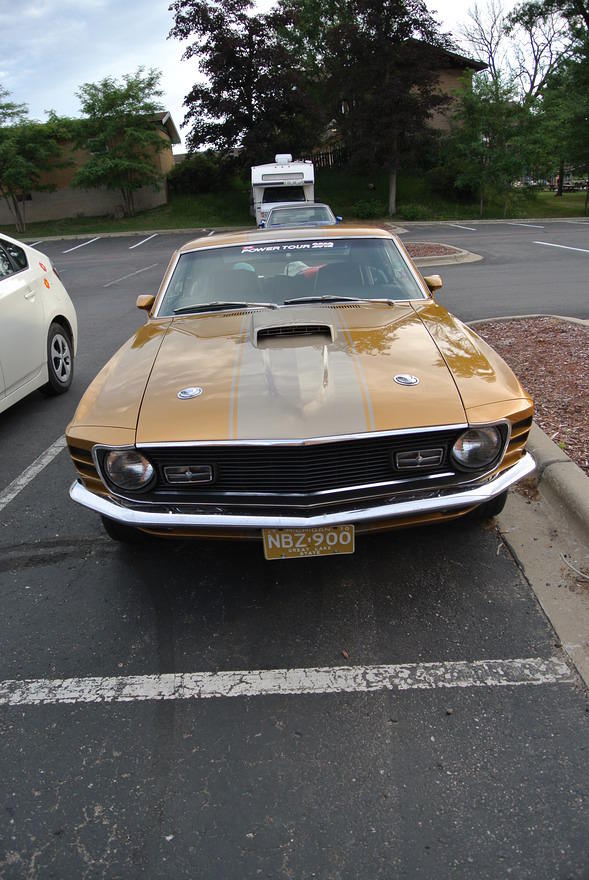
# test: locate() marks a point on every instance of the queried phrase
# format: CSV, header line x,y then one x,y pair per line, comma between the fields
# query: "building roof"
x,y
166,121
449,58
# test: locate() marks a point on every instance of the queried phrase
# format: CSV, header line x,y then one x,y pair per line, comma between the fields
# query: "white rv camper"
x,y
281,182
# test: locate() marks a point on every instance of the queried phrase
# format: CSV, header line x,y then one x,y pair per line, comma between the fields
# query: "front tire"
x,y
490,508
122,533
60,361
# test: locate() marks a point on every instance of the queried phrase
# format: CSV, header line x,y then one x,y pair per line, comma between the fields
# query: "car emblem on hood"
x,y
406,379
188,393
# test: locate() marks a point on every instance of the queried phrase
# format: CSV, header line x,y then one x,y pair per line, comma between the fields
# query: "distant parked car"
x,y
314,214
38,325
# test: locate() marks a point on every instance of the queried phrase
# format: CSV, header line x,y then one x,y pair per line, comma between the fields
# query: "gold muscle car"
x,y
299,387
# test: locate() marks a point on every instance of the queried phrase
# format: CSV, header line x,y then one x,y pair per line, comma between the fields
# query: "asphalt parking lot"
x,y
188,710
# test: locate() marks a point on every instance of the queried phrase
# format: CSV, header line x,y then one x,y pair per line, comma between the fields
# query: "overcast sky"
x,y
50,47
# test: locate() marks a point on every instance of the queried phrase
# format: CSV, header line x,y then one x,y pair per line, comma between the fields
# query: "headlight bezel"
x,y
101,454
502,430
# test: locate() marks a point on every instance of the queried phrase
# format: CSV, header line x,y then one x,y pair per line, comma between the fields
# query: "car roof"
x,y
259,236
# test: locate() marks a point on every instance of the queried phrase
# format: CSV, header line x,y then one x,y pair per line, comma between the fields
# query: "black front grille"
x,y
300,470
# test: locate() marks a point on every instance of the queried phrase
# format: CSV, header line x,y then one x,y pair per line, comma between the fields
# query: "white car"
x,y
38,325
306,214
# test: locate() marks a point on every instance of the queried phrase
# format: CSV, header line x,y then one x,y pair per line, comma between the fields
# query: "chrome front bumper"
x,y
442,502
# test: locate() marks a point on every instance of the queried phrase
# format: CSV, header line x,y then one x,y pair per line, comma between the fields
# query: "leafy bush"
x,y
414,212
199,173
369,208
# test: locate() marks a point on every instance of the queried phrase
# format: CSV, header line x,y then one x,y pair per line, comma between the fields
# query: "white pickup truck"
x,y
280,182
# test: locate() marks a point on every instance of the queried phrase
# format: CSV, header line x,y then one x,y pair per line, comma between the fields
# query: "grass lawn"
x,y
353,196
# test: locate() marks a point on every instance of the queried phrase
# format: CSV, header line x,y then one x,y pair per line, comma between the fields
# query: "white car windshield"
x,y
282,273
292,216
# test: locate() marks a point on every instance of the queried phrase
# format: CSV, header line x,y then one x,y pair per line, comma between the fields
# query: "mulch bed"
x,y
551,359
429,249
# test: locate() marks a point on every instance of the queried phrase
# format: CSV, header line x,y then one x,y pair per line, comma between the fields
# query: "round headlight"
x,y
128,469
477,447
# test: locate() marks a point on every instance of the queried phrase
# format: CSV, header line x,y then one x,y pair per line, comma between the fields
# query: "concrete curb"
x,y
460,256
561,481
491,222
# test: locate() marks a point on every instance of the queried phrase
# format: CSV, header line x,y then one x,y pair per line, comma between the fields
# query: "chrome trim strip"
x,y
307,500
309,441
168,519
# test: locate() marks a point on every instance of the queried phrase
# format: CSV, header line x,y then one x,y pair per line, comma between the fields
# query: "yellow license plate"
x,y
296,543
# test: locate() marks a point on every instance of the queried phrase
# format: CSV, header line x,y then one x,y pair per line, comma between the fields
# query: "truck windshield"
x,y
270,272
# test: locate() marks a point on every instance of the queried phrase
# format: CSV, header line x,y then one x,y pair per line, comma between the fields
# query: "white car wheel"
x,y
60,361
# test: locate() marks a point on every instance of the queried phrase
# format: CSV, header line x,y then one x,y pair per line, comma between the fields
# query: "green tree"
x,y
563,120
28,150
564,107
490,141
119,131
377,68
255,98
9,111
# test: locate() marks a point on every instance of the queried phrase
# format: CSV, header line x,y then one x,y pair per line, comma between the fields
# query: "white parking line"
x,y
84,243
143,242
212,232
321,680
565,247
35,243
531,225
130,275
582,222
17,485
458,226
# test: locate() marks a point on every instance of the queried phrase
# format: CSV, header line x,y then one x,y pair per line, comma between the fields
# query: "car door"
x,y
23,334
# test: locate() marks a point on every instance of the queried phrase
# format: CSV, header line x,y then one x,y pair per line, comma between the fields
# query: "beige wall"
x,y
450,82
70,202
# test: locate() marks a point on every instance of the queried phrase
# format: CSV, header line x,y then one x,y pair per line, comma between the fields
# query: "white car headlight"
x,y
477,447
128,469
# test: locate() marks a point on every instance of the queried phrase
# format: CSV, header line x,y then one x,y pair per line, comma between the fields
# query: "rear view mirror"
x,y
145,301
434,282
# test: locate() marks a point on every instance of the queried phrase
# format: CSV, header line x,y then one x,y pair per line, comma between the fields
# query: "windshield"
x,y
304,214
275,272
274,194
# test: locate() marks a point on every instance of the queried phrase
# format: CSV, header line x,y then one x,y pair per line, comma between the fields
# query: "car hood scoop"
x,y
308,334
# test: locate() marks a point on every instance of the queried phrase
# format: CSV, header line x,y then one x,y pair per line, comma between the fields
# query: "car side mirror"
x,y
434,282
145,301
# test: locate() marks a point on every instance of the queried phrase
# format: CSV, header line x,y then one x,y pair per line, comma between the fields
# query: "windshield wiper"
x,y
219,305
329,297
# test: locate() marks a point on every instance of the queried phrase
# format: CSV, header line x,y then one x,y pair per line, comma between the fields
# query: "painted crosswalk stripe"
x,y
263,682
12,490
